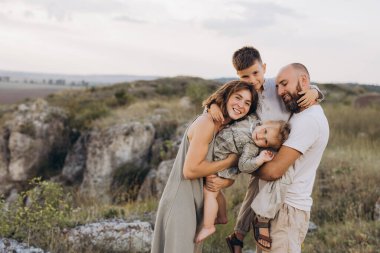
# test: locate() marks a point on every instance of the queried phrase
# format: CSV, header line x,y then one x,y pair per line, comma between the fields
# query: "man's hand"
x,y
216,113
215,183
309,98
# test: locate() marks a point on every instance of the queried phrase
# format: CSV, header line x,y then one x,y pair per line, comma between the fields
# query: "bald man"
x,y
303,149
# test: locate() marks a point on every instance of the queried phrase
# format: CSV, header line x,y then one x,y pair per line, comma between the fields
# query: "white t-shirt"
x,y
309,135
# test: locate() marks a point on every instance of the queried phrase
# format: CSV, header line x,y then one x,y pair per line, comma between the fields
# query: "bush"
x,y
127,181
197,93
37,215
28,128
81,117
122,97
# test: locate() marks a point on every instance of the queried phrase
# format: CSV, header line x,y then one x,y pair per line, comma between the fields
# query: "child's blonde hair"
x,y
283,130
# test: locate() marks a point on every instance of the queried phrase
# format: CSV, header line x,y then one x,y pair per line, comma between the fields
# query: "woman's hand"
x,y
216,113
215,183
309,98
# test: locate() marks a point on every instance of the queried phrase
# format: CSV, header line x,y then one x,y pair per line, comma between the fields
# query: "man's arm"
x,y
274,169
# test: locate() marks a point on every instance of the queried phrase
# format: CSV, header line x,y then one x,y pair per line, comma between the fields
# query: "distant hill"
x,y
66,79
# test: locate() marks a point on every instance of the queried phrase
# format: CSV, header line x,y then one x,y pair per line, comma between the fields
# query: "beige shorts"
x,y
288,230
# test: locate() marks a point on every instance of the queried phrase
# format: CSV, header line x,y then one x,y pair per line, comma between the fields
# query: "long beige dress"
x,y
180,209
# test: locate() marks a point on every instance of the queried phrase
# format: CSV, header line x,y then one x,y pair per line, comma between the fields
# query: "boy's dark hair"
x,y
221,96
245,57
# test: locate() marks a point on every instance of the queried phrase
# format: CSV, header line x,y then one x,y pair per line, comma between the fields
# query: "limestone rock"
x,y
28,139
312,227
75,161
108,150
377,210
10,245
155,181
112,236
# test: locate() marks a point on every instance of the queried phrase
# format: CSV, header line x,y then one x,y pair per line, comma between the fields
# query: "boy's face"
x,y
265,136
253,75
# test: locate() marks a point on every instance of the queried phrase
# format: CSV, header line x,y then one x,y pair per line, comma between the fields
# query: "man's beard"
x,y
291,103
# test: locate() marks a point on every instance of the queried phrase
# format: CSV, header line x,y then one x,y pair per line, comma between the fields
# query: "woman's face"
x,y
239,104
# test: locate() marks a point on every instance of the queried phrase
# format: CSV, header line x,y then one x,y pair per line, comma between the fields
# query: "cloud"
x,y
28,14
129,19
246,17
64,10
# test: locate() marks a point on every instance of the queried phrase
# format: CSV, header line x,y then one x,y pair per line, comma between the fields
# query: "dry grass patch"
x,y
141,111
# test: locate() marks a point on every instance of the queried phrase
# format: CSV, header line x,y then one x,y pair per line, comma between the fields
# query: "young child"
x,y
243,138
250,68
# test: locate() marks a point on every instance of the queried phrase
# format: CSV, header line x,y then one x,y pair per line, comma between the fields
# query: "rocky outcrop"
x,y
75,161
28,139
377,210
10,245
109,150
312,227
112,236
155,181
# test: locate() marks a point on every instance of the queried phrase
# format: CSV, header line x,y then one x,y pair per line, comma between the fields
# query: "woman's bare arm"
x,y
200,135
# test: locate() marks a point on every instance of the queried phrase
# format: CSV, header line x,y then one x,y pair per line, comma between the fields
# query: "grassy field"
x,y
345,191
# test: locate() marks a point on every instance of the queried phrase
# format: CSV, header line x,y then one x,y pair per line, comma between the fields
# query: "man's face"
x,y
288,87
253,75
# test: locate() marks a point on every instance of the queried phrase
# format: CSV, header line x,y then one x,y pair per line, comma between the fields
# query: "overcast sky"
x,y
338,40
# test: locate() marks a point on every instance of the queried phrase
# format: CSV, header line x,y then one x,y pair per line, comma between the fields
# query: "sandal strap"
x,y
259,224
265,238
235,241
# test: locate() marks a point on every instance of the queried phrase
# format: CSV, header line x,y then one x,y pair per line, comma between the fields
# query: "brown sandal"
x,y
256,224
232,241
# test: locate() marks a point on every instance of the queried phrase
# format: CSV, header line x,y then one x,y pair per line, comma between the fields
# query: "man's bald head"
x,y
290,80
298,69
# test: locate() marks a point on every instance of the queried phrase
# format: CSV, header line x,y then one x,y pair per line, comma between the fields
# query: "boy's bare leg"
x,y
210,211
221,217
246,214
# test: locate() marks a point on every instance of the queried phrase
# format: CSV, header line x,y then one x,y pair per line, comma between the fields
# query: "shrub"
x,y
28,128
127,181
197,93
81,117
122,97
37,215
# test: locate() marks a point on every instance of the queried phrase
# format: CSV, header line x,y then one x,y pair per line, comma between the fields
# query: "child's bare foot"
x,y
204,233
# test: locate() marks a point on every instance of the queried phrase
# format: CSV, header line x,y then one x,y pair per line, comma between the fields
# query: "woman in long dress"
x,y
181,206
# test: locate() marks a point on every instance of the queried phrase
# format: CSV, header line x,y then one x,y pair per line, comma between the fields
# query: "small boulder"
x,y
10,245
112,236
